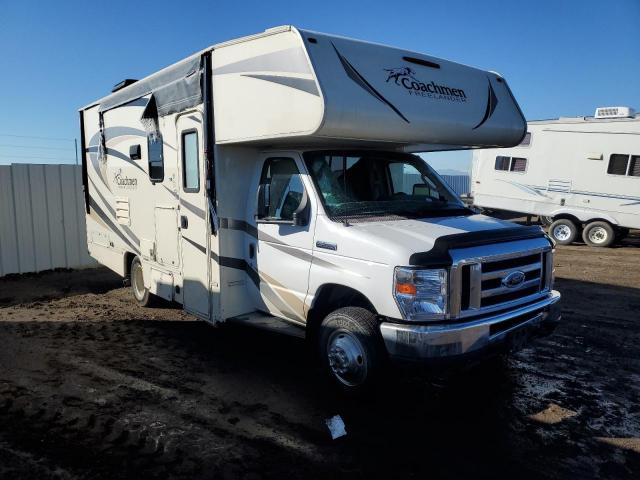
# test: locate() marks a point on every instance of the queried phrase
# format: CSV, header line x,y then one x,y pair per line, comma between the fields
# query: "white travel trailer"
x,y
264,181
577,173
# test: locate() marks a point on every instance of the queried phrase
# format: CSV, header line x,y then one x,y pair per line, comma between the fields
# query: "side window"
x,y
618,164
190,157
518,164
156,157
526,141
502,163
634,166
285,188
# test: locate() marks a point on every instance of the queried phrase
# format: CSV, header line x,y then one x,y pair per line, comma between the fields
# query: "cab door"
x,y
192,218
285,223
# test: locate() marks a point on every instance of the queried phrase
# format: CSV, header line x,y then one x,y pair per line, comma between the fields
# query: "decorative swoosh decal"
x,y
492,103
525,188
354,75
303,84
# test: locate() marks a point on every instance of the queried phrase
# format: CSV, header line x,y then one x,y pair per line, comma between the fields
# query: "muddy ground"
x,y
93,386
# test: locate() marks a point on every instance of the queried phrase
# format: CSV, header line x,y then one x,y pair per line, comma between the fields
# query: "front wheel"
x,y
598,234
563,231
351,348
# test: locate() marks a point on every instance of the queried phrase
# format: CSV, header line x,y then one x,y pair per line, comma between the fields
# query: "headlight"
x,y
421,294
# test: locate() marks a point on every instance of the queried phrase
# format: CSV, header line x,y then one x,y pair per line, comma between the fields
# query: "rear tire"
x,y
351,349
599,234
563,231
140,292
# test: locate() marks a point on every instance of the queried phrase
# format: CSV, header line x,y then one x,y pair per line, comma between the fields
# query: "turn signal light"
x,y
406,288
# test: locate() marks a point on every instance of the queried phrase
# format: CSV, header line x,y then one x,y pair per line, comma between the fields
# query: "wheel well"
x,y
331,297
128,258
600,220
567,216
581,223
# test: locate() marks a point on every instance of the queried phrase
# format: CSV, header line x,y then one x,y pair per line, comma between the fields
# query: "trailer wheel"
x,y
351,349
598,234
563,231
140,292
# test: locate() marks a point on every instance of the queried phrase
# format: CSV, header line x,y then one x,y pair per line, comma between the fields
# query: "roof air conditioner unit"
x,y
614,112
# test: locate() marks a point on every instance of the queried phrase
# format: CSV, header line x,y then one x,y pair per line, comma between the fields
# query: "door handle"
x,y
184,222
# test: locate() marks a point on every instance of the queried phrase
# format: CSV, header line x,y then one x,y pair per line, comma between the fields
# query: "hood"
x,y
395,241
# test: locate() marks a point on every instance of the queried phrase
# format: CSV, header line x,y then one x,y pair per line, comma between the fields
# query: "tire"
x,y
599,234
563,231
351,349
544,220
140,292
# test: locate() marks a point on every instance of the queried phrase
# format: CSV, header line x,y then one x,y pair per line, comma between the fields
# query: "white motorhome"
x,y
264,181
579,174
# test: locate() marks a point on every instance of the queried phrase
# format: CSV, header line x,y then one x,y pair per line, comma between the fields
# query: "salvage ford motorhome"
x,y
269,180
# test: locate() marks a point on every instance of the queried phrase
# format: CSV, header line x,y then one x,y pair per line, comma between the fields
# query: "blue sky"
x,y
560,57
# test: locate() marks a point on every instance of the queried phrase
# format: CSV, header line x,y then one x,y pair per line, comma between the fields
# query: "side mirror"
x,y
264,199
301,214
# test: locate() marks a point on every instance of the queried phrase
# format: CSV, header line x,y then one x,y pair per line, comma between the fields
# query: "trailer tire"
x,y
351,349
563,231
599,234
140,292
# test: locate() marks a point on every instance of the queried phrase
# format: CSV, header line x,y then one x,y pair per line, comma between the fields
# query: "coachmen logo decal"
x,y
122,181
405,77
514,279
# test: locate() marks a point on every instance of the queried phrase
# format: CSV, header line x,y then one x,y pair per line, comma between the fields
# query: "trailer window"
x,y
502,163
518,164
285,188
156,157
190,170
618,164
634,167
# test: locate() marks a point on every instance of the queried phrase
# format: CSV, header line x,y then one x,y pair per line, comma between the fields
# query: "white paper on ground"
x,y
336,427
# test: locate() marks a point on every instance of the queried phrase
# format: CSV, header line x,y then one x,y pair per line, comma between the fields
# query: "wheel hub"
x,y
562,232
598,235
347,358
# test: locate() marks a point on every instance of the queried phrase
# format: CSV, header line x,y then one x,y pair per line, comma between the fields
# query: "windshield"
x,y
368,184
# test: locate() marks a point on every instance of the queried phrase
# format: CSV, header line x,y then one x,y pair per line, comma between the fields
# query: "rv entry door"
x,y
192,215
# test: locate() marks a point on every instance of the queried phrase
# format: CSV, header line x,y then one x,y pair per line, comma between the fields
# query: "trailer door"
x,y
192,215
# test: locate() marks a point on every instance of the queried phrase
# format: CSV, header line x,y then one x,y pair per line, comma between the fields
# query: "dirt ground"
x,y
93,386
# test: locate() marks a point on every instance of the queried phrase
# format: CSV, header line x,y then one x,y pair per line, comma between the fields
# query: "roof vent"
x,y
614,112
124,83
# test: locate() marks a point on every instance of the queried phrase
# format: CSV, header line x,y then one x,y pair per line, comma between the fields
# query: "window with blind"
x,y
624,165
511,164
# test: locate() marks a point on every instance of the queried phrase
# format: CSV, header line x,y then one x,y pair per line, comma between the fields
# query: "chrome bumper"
x,y
422,342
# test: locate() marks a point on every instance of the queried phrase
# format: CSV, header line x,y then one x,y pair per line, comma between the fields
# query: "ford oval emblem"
x,y
514,279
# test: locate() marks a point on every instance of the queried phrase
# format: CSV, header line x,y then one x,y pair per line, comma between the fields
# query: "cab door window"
x,y
281,177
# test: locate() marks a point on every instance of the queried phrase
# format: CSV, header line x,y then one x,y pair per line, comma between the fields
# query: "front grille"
x,y
483,286
493,291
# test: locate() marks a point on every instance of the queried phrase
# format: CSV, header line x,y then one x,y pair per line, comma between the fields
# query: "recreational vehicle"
x,y
270,181
581,175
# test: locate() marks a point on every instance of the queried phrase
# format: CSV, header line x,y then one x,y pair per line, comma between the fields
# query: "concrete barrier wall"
x,y
42,224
